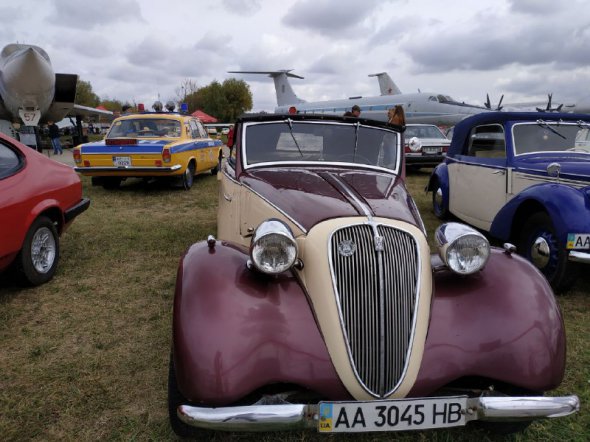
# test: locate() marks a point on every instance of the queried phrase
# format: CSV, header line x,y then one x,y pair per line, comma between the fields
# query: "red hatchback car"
x,y
39,198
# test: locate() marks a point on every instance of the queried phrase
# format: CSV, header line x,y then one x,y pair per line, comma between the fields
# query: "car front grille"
x,y
375,271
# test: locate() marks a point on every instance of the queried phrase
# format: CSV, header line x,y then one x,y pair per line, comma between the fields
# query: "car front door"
x,y
478,179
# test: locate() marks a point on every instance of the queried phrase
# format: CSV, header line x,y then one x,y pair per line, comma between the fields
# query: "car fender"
x,y
502,324
440,174
236,330
567,206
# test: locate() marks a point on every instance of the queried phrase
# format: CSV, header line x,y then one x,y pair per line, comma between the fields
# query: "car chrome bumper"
x,y
129,169
582,257
295,416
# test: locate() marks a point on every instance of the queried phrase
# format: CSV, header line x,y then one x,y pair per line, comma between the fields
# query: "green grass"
x,y
85,357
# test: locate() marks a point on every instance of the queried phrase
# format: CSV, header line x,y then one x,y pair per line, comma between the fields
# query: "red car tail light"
x,y
166,157
77,156
86,163
158,163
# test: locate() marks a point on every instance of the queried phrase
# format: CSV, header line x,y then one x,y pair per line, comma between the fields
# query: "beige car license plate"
x,y
392,415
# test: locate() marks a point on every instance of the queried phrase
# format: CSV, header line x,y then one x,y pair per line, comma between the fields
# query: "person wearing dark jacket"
x,y
54,135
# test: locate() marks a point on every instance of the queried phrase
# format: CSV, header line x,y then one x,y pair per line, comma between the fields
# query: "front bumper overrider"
x,y
299,416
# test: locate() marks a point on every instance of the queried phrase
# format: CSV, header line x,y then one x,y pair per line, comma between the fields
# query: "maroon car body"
x,y
39,198
242,336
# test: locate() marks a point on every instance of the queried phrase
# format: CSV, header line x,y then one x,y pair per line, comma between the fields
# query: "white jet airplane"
x,y
30,91
420,107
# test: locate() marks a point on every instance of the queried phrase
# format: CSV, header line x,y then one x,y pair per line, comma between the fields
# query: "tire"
x,y
539,244
188,176
440,209
38,258
175,398
217,167
111,182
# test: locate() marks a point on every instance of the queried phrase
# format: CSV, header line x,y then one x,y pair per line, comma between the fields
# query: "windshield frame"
x,y
300,163
553,124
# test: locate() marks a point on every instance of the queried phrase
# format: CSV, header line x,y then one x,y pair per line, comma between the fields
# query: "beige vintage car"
x,y
321,306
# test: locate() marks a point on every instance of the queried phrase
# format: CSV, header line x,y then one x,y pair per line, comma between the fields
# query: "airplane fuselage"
x,y
420,107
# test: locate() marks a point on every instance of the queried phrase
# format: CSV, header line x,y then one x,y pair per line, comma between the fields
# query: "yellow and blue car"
x,y
150,144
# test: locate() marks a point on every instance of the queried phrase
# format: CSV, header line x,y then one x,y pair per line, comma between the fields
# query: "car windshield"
x,y
145,128
423,132
320,142
551,136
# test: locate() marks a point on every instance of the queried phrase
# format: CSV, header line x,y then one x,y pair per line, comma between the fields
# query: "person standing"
x,y
230,139
54,135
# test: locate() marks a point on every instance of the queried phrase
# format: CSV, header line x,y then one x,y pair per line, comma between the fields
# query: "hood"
x,y
574,166
310,196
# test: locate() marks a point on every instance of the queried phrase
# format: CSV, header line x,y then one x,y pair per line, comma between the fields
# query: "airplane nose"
x,y
28,72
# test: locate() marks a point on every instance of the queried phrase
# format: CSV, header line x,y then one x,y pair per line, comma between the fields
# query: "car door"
x,y
478,179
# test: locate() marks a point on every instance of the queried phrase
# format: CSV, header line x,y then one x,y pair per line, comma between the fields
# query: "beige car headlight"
x,y
273,249
464,250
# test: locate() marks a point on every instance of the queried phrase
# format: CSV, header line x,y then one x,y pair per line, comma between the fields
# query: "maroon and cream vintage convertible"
x,y
320,304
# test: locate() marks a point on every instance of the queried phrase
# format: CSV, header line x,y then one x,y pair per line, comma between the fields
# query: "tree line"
x,y
225,101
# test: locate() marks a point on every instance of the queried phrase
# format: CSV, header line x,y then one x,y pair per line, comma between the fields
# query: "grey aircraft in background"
x,y
419,107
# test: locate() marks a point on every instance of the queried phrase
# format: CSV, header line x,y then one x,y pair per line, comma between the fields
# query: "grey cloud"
x,y
10,14
533,7
560,39
242,7
344,19
215,43
73,14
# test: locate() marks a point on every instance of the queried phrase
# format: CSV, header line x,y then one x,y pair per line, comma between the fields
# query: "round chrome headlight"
x,y
464,250
273,248
415,144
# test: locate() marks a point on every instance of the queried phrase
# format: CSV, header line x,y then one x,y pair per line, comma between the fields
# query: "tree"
x,y
84,94
238,97
112,105
225,101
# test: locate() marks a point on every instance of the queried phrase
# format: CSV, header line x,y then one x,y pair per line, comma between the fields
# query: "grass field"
x,y
85,357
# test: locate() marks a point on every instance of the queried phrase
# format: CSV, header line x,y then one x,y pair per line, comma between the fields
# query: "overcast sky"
x,y
133,50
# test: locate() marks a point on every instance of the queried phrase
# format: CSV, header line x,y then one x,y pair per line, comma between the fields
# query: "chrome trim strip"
x,y
364,206
300,416
128,169
582,257
546,179
122,153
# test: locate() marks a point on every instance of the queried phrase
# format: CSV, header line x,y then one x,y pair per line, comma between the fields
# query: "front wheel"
x,y
37,260
538,242
440,209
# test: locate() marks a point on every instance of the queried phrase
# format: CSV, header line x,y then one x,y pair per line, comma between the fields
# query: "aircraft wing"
x,y
85,111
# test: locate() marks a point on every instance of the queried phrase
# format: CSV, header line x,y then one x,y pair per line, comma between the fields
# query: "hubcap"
x,y
43,248
541,252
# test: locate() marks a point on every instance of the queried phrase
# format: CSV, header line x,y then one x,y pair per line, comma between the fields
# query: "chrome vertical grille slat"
x,y
379,365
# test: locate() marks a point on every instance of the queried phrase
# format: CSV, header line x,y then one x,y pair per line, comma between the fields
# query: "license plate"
x,y
394,415
431,150
122,161
578,240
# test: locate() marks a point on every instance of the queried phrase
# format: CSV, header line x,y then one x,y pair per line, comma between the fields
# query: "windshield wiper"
x,y
582,123
290,123
356,140
546,125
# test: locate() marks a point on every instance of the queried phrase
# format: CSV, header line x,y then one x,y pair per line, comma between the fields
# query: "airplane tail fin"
x,y
386,84
283,89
